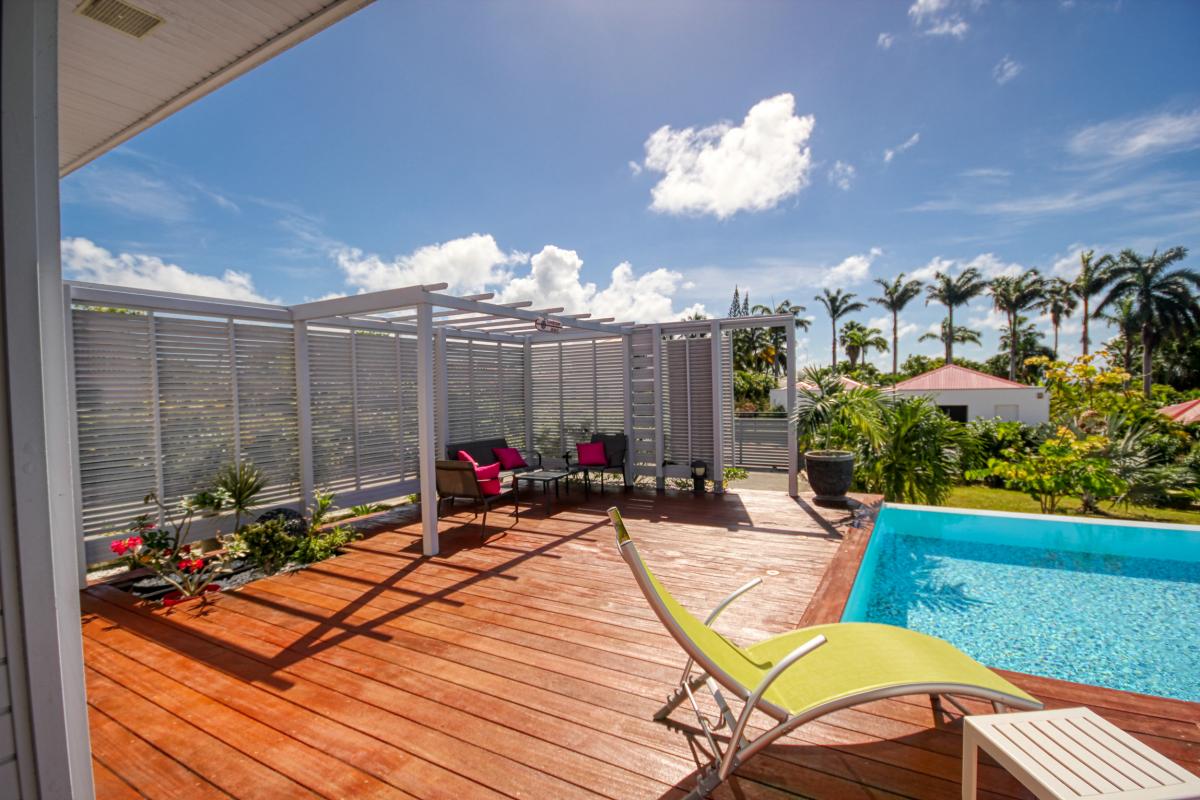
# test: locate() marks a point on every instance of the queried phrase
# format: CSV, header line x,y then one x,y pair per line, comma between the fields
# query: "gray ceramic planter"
x,y
830,473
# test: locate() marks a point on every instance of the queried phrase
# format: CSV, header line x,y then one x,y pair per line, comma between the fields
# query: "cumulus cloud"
x,y
989,264
885,41
842,175
468,265
1135,137
921,9
724,168
554,280
904,330
954,26
84,260
1006,70
907,144
852,269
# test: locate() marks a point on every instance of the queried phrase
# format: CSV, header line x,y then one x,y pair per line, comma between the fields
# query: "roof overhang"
x,y
112,85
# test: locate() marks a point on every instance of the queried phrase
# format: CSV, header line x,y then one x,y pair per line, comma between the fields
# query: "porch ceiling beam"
x,y
495,323
450,301
385,300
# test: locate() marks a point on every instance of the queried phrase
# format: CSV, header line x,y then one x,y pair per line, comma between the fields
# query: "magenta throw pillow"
x,y
591,454
509,457
489,479
463,455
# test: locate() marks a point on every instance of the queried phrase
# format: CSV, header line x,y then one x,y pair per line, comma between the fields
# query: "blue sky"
x,y
639,159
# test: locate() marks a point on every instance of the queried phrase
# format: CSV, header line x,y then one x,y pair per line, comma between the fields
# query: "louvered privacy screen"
x,y
587,399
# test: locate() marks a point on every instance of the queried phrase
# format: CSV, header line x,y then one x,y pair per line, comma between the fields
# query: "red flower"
x,y
191,564
123,546
134,542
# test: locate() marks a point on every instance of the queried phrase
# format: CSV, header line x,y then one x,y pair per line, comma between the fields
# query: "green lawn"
x,y
979,496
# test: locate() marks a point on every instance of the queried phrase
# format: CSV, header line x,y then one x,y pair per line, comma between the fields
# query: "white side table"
x,y
1072,753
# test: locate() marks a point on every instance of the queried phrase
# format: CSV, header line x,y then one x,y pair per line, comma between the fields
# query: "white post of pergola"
x,y
426,435
303,413
792,455
659,443
718,421
627,383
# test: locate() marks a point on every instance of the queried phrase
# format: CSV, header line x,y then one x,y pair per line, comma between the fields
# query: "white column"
x,y
38,537
303,412
529,395
718,421
73,430
442,393
659,444
792,465
427,438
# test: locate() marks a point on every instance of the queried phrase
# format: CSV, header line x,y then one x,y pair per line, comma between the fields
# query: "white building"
x,y
966,394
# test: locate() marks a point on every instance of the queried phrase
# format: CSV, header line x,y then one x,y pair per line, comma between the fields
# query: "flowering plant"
x,y
166,552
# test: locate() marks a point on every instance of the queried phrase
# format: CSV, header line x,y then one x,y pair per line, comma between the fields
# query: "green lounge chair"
x,y
844,664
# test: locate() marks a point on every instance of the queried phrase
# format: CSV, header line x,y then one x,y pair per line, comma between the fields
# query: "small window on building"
x,y
1009,412
956,413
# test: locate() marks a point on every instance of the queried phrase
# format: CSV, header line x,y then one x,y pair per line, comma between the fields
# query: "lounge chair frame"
x,y
739,750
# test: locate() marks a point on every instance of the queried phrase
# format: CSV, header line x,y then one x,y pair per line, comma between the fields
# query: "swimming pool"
x,y
1108,604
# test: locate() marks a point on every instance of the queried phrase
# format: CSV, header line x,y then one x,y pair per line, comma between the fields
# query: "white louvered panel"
x,y
727,394
377,382
642,390
458,391
485,390
610,385
407,359
196,403
513,394
675,402
699,352
267,425
547,402
687,400
578,383
114,403
331,379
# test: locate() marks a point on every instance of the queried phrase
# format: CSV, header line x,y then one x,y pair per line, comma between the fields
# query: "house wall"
x,y
1032,403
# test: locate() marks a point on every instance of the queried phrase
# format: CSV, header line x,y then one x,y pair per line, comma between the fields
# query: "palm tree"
x,y
778,336
1092,278
1026,343
1059,301
961,335
1164,300
837,305
1124,318
953,292
1012,295
896,295
859,340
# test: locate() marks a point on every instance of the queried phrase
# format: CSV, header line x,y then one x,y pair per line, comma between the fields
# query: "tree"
x,y
837,305
859,340
1027,343
1059,301
1123,317
962,335
897,294
1164,299
1013,294
735,308
777,335
953,292
1092,278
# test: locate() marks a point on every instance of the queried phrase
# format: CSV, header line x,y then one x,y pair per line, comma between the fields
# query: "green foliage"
x,y
362,509
322,544
830,415
752,390
1065,465
992,438
917,455
270,544
954,291
238,485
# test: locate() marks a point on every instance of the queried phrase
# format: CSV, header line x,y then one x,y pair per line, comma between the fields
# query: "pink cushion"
x,y
509,457
463,455
489,479
592,454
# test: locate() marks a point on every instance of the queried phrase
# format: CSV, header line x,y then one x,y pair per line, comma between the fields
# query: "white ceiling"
x,y
111,86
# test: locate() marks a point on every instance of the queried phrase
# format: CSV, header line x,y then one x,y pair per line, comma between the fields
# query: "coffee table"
x,y
545,477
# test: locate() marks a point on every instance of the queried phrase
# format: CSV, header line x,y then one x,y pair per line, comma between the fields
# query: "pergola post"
x,y
426,436
718,421
442,392
528,370
792,455
627,377
303,412
659,443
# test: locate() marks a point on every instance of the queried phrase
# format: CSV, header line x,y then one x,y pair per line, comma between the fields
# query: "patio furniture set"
x,y
478,471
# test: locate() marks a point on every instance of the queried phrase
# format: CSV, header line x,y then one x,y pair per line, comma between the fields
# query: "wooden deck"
x,y
525,667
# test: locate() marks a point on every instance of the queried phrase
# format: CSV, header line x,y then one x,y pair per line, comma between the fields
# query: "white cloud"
x,y
842,175
986,318
1006,70
904,330
987,173
921,9
554,280
989,264
635,168
84,260
724,168
936,264
1135,137
908,144
468,265
852,269
129,192
885,41
954,26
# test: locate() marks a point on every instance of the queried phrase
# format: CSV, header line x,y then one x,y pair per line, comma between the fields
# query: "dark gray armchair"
x,y
615,449
456,481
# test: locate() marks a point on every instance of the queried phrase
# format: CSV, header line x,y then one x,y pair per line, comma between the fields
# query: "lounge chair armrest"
x,y
724,604
787,661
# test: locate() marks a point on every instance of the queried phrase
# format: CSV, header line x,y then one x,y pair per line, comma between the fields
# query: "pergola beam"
x,y
387,300
450,301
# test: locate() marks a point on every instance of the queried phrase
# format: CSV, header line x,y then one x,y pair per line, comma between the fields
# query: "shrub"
x,y
830,415
991,438
281,536
1065,465
917,455
321,545
269,545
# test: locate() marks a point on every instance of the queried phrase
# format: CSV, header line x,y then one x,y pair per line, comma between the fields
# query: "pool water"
x,y
1099,603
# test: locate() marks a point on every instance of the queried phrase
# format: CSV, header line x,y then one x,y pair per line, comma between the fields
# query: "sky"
x,y
639,160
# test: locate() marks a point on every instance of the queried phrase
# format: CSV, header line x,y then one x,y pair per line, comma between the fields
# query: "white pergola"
x,y
674,401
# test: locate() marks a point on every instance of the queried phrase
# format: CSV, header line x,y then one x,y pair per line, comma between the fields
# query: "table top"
x,y
542,475
1074,752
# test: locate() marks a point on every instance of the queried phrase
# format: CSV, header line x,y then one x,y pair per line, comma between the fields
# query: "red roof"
x,y
952,376
1186,412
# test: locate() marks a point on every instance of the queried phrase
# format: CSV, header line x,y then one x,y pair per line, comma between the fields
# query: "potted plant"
x,y
832,418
